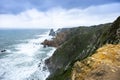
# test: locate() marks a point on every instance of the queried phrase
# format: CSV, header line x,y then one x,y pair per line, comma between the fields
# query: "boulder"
x,y
3,50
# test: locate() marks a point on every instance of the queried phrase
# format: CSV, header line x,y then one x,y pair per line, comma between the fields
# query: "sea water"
x,y
24,57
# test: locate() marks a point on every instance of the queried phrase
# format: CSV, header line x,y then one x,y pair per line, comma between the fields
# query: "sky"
x,y
57,13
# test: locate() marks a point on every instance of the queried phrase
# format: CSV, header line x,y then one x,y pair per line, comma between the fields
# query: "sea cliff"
x,y
78,44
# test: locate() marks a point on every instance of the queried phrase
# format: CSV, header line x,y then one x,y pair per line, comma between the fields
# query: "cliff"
x,y
81,42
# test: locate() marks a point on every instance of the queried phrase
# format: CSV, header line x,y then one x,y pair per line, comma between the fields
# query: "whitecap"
x,y
23,64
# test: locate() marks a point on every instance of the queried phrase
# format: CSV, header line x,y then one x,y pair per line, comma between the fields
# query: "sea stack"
x,y
52,32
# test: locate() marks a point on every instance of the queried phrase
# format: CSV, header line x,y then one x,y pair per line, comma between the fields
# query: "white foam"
x,y
28,49
8,51
15,73
47,73
32,45
51,52
24,55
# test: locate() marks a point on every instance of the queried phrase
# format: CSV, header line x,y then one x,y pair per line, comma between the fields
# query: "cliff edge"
x,y
81,43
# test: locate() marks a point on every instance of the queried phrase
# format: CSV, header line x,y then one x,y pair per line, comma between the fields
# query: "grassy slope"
x,y
83,42
103,65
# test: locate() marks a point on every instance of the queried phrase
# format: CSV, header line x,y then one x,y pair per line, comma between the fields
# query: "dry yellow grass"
x,y
108,55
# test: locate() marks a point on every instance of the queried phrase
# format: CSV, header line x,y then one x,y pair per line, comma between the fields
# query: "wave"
x,y
31,46
23,62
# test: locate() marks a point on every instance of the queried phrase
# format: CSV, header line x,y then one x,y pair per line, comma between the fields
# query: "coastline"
x,y
83,42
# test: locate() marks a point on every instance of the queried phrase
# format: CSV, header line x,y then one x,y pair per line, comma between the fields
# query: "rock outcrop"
x,y
3,51
80,43
49,43
52,33
61,36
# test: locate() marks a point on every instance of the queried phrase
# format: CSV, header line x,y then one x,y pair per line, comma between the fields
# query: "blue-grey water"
x,y
24,54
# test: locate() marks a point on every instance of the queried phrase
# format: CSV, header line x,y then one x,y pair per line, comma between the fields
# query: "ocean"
x,y
24,56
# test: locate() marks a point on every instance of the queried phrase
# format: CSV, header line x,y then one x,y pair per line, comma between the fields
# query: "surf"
x,y
26,59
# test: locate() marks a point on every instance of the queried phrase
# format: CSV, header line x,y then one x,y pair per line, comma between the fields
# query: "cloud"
x,y
60,17
17,6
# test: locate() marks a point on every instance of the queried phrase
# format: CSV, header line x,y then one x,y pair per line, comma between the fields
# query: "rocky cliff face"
x,y
60,37
80,43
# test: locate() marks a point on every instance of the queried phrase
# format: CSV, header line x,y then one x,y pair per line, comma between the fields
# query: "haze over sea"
x,y
24,56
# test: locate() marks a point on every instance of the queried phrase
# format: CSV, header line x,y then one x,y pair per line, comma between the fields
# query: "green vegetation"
x,y
81,42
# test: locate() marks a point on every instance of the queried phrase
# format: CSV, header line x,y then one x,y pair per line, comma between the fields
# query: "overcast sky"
x,y
57,13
